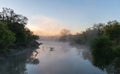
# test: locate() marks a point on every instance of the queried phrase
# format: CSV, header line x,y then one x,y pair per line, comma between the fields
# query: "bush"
x,y
117,51
7,38
102,51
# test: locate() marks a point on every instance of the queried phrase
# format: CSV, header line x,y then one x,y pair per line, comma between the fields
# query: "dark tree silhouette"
x,y
13,33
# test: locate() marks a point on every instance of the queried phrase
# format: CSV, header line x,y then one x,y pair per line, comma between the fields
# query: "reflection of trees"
x,y
114,67
86,55
85,51
16,64
111,65
33,59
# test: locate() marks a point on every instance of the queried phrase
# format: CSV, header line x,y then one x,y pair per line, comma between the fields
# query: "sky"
x,y
48,17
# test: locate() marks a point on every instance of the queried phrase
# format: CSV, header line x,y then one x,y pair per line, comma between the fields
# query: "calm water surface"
x,y
52,57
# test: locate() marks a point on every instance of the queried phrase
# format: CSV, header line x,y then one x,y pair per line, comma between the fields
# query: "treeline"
x,y
86,37
104,40
110,29
106,47
13,33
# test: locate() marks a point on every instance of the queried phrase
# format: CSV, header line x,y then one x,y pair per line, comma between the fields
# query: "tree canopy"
x,y
13,33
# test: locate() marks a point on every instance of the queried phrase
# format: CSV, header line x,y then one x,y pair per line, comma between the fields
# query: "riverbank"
x,y
19,51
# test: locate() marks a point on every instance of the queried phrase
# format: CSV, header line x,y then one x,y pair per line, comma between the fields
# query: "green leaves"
x,y
106,47
7,37
13,32
112,30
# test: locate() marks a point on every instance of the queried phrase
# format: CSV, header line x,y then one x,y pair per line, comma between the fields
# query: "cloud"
x,y
45,26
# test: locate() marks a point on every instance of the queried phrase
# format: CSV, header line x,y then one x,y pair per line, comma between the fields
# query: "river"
x,y
53,57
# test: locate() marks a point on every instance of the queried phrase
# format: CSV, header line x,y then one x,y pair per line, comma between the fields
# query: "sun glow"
x,y
43,32
45,26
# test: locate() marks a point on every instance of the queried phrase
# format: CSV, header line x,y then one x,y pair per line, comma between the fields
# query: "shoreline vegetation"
x,y
104,42
15,37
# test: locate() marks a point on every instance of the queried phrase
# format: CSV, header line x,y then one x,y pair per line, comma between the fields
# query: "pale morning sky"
x,y
48,17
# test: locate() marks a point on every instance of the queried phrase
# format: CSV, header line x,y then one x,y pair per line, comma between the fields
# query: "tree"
x,y
105,48
102,51
13,32
7,38
64,34
112,30
8,14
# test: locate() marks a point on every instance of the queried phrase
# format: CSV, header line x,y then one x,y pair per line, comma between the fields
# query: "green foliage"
x,y
13,33
106,47
7,38
112,29
102,51
102,42
117,50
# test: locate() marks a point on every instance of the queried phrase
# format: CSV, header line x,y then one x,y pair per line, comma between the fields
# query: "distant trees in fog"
x,y
64,35
82,38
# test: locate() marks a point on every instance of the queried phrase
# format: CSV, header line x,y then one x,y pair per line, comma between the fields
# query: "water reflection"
x,y
112,66
33,59
84,51
52,58
64,59
17,64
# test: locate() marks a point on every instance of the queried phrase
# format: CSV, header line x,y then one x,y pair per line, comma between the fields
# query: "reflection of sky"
x,y
75,15
64,59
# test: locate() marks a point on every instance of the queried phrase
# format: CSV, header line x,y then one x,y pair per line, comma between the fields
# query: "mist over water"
x,y
53,57
63,59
